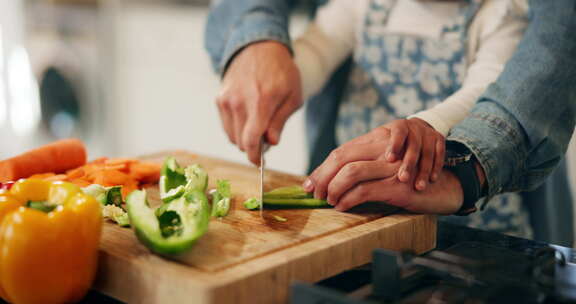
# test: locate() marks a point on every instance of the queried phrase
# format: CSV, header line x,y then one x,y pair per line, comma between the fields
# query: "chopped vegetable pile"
x,y
131,174
252,203
112,203
221,198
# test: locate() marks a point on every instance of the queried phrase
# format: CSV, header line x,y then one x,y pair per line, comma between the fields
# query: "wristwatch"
x,y
461,162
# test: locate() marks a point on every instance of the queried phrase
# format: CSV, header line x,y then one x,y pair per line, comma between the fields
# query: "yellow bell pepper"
x,y
49,236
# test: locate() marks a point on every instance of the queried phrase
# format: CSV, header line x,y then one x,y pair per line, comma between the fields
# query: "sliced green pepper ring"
x,y
183,221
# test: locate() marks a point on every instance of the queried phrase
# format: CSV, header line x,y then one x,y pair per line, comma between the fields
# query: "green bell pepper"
x,y
172,180
111,200
183,221
221,198
183,216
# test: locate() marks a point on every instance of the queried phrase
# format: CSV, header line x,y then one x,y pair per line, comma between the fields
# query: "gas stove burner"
x,y
468,272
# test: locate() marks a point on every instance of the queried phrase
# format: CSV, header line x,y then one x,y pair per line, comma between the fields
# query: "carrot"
x,y
145,172
118,161
128,187
56,157
117,167
131,174
76,173
80,182
109,178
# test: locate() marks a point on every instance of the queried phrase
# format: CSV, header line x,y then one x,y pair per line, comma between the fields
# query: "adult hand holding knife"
x,y
261,89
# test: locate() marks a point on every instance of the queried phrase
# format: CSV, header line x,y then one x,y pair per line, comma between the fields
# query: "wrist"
x,y
464,165
456,191
257,49
422,121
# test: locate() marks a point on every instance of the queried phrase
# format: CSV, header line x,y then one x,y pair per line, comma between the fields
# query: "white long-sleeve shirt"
x,y
492,39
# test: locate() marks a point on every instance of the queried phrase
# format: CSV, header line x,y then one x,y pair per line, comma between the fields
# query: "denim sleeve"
x,y
233,24
521,126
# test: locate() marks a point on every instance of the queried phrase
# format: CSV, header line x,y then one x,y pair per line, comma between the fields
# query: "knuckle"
x,y
268,94
250,145
381,132
313,179
235,104
361,191
352,170
337,155
400,125
223,102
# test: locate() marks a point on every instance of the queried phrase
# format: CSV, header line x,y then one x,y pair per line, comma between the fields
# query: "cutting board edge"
x,y
234,284
339,238
239,282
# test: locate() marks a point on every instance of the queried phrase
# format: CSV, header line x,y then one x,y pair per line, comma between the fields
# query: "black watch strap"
x,y
466,174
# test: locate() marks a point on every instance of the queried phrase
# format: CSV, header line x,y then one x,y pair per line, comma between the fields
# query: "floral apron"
x,y
396,75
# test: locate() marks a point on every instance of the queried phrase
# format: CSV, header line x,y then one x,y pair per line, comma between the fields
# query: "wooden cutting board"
x,y
246,259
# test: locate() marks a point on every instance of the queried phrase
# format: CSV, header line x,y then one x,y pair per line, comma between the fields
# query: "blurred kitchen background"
x,y
127,77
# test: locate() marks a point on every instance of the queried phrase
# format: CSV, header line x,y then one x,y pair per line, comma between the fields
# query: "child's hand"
x,y
421,149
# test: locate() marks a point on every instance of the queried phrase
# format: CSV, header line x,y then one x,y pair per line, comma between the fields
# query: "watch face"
x,y
456,153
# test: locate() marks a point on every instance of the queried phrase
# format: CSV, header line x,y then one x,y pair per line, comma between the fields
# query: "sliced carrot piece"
x,y
109,178
119,161
128,187
145,171
117,167
76,173
80,182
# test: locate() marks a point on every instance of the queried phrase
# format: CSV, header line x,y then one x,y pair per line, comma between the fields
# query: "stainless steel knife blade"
x,y
263,148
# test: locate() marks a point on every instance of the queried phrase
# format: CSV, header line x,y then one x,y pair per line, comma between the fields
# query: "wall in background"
x,y
164,89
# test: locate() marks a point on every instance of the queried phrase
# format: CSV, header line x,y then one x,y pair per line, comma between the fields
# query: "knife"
x,y
263,148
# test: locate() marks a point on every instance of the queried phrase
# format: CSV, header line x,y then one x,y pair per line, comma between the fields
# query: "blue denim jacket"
x,y
520,128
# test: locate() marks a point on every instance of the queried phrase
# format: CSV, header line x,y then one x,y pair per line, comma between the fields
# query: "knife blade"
x,y
263,148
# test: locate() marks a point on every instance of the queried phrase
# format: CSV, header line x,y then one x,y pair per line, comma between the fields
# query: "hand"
x,y
355,173
348,158
420,147
260,90
442,197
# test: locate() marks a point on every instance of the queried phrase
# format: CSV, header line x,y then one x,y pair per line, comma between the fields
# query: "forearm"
x,y
521,126
317,57
452,111
493,41
233,24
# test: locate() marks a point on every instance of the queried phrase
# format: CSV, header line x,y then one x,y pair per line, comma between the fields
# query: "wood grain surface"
x,y
244,258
